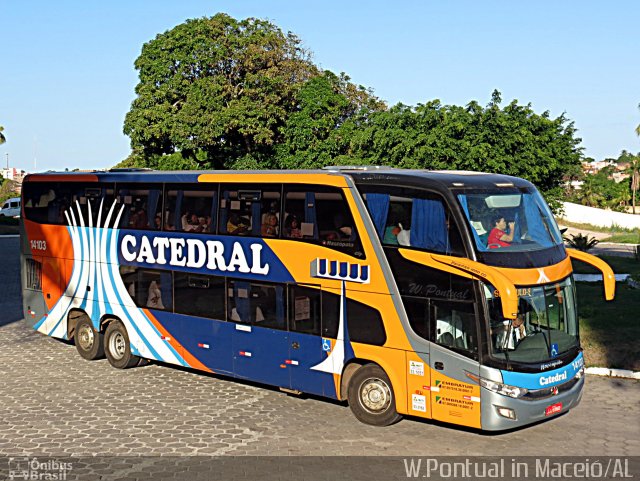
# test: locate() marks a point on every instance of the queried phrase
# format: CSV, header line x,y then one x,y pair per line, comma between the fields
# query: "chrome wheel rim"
x,y
86,337
117,345
375,395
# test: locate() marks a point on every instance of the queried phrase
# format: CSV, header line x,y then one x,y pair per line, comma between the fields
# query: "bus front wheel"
x,y
88,341
371,397
117,346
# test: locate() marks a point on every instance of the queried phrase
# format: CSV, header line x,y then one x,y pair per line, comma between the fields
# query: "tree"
x,y
3,139
634,172
216,90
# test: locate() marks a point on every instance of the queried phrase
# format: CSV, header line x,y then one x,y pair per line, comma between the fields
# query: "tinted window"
x,y
191,207
142,206
305,309
198,295
413,218
454,325
418,315
320,214
364,323
256,303
250,210
150,289
67,202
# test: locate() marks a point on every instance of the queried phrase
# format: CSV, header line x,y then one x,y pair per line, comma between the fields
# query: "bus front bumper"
x,y
501,412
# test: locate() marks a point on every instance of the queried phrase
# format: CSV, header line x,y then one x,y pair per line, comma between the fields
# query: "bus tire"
x,y
371,397
117,347
89,342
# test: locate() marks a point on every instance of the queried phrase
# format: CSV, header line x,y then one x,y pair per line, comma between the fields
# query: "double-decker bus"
x,y
439,295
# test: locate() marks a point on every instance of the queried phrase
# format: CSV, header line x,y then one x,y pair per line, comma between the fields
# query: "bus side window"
x,y
363,322
260,304
142,205
304,309
416,308
150,289
453,325
190,208
199,295
250,210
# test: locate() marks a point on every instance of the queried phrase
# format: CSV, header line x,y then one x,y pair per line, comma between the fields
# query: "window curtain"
x,y
378,205
517,230
166,290
214,211
177,216
428,225
280,306
224,213
243,304
535,226
256,221
465,207
152,201
310,212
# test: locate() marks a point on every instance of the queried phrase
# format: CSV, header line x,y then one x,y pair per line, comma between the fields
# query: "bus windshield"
x,y
546,325
513,221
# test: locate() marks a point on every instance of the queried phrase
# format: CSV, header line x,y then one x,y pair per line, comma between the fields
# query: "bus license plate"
x,y
553,409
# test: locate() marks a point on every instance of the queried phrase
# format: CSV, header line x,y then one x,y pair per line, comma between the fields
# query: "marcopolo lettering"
x,y
545,380
194,253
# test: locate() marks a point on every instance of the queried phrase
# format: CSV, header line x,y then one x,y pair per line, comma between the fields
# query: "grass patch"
x,y
609,331
594,228
620,265
624,238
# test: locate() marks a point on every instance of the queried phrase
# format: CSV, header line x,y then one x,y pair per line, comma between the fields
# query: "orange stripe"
x,y
330,178
191,360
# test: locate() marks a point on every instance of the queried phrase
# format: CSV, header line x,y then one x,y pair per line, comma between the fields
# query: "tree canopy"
x,y
3,139
224,93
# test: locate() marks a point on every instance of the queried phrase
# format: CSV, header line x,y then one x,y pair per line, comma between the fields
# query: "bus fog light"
x,y
506,412
580,372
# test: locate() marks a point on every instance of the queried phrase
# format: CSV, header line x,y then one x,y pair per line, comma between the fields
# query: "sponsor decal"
x,y
416,368
419,403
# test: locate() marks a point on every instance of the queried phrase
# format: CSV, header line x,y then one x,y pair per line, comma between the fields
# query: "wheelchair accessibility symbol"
x,y
554,350
326,345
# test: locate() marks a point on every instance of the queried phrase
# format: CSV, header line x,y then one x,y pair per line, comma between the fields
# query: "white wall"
x,y
600,217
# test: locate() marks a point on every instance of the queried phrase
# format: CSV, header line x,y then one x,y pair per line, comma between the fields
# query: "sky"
x,y
67,78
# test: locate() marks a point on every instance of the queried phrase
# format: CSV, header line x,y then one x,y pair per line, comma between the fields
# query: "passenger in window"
x,y
498,236
391,235
270,226
235,225
154,298
158,222
292,227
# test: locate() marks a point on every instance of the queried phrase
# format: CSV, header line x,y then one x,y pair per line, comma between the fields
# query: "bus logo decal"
x,y
341,271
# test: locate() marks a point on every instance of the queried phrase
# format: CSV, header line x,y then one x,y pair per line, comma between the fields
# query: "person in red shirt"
x,y
498,236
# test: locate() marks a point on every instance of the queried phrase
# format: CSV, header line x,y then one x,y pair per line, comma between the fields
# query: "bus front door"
x,y
455,397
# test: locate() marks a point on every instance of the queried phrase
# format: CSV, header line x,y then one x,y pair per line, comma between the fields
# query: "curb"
x,y
605,371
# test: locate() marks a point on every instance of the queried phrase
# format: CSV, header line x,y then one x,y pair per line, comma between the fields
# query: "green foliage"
x,y
8,189
3,139
581,242
218,86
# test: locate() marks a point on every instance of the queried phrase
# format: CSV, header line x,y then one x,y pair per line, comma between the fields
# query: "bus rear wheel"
x,y
117,346
89,342
371,397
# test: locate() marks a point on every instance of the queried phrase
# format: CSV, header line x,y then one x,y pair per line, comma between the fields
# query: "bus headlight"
x,y
498,387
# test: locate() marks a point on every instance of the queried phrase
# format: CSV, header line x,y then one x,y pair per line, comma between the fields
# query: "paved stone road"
x,y
53,403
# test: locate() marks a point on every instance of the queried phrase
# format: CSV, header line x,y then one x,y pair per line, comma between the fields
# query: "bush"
x,y
581,242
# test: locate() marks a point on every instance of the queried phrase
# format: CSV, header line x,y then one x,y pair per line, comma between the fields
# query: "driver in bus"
x,y
498,236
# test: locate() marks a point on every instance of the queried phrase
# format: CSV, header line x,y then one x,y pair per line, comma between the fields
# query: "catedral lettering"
x,y
377,287
195,253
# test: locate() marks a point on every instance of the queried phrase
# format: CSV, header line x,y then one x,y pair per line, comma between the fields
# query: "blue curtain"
x,y
214,211
224,213
465,207
310,212
280,306
428,225
152,201
243,304
517,230
177,215
378,205
166,290
535,227
256,221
